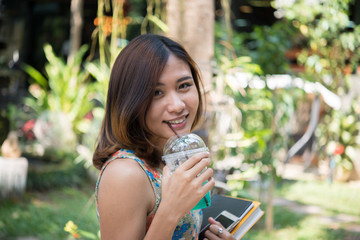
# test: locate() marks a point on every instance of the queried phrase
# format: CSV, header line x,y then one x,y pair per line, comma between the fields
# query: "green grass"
x,y
304,228
44,214
337,198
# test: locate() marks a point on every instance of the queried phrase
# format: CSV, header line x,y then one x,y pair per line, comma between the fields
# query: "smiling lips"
x,y
177,120
178,123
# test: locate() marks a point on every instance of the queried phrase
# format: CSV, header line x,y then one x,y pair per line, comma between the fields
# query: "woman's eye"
x,y
184,85
158,92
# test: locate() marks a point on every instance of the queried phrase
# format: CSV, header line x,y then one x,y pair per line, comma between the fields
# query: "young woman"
x,y
153,83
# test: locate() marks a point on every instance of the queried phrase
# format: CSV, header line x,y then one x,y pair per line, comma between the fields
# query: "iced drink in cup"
x,y
180,148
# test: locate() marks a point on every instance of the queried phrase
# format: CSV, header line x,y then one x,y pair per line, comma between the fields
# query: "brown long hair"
x,y
133,79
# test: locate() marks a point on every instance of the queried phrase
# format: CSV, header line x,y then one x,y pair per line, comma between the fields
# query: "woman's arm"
x,y
180,192
126,197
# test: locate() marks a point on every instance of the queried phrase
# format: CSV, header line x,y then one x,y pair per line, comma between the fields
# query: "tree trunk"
x,y
191,22
269,216
76,24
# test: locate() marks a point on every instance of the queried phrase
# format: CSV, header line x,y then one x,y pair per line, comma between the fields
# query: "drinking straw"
x,y
172,129
178,136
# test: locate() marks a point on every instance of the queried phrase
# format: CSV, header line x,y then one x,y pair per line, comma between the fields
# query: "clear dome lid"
x,y
184,142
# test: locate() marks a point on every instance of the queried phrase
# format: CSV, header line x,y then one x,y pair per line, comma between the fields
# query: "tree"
x,y
76,24
191,22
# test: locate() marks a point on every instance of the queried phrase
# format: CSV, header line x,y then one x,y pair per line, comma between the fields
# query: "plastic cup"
x,y
180,148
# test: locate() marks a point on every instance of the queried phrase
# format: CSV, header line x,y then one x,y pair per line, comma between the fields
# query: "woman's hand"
x,y
182,190
217,231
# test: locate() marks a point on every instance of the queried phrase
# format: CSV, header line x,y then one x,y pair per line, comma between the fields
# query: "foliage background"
x,y
251,130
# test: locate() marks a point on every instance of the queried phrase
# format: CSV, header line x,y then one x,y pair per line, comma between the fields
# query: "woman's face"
x,y
175,102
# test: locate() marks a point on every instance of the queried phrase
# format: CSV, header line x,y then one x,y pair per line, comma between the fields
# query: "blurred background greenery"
x,y
269,61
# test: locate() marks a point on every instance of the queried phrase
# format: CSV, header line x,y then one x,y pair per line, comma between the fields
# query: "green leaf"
x,y
87,235
79,55
157,21
35,74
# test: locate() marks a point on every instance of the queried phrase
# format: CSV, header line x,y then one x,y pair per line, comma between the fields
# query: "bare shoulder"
x,y
124,167
125,198
121,174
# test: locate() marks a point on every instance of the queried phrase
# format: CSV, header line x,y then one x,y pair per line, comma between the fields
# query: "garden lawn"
x,y
334,199
43,215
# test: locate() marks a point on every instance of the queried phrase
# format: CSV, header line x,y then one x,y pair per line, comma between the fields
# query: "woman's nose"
x,y
175,103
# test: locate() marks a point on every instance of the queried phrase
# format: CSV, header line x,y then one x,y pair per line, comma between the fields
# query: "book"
x,y
247,211
248,221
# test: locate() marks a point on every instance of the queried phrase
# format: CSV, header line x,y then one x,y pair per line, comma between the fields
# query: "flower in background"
x,y
339,149
89,116
27,128
71,228
77,233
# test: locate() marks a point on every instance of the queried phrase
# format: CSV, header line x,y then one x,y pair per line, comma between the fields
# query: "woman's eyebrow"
x,y
178,81
184,78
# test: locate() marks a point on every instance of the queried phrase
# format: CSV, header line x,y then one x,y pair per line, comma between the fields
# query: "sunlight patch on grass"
x,y
335,198
308,227
38,202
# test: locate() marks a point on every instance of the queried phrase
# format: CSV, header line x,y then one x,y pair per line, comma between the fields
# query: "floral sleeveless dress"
x,y
189,225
